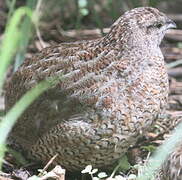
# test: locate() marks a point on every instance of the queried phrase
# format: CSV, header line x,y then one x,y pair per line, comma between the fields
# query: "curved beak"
x,y
170,24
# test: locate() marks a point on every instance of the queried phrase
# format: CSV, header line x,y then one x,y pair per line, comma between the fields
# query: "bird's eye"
x,y
156,25
159,25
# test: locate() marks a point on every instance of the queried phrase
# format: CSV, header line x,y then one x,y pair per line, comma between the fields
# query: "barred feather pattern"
x,y
111,91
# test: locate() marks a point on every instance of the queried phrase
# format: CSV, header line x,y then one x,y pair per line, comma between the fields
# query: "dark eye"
x,y
159,25
156,25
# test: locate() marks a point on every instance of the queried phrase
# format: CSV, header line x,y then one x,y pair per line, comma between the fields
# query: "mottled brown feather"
x,y
112,90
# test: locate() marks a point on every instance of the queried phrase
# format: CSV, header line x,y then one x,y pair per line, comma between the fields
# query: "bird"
x,y
111,91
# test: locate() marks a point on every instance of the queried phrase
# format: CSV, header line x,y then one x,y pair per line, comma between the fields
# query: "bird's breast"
x,y
134,97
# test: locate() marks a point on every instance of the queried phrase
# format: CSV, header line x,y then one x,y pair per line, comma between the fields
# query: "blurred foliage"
x,y
77,14
26,29
11,39
95,13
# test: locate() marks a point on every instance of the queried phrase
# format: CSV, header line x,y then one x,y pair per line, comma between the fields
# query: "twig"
x,y
37,11
48,164
42,43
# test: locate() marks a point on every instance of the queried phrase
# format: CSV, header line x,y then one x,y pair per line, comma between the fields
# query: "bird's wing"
x,y
60,59
85,69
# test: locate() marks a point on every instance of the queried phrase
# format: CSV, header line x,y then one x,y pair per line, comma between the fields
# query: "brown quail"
x,y
111,91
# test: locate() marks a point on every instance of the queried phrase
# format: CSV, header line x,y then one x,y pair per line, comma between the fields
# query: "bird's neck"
x,y
141,49
130,45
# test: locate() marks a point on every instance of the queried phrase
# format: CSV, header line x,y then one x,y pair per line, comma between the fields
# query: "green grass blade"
x,y
10,41
26,30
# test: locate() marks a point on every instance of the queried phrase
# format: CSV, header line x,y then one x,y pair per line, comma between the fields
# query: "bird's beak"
x,y
170,24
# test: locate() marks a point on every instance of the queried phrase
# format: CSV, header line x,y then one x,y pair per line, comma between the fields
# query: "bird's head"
x,y
144,25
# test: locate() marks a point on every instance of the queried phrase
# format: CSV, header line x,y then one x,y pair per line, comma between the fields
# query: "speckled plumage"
x,y
112,90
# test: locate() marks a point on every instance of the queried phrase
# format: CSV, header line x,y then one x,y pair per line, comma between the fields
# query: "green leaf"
x,y
149,148
124,164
